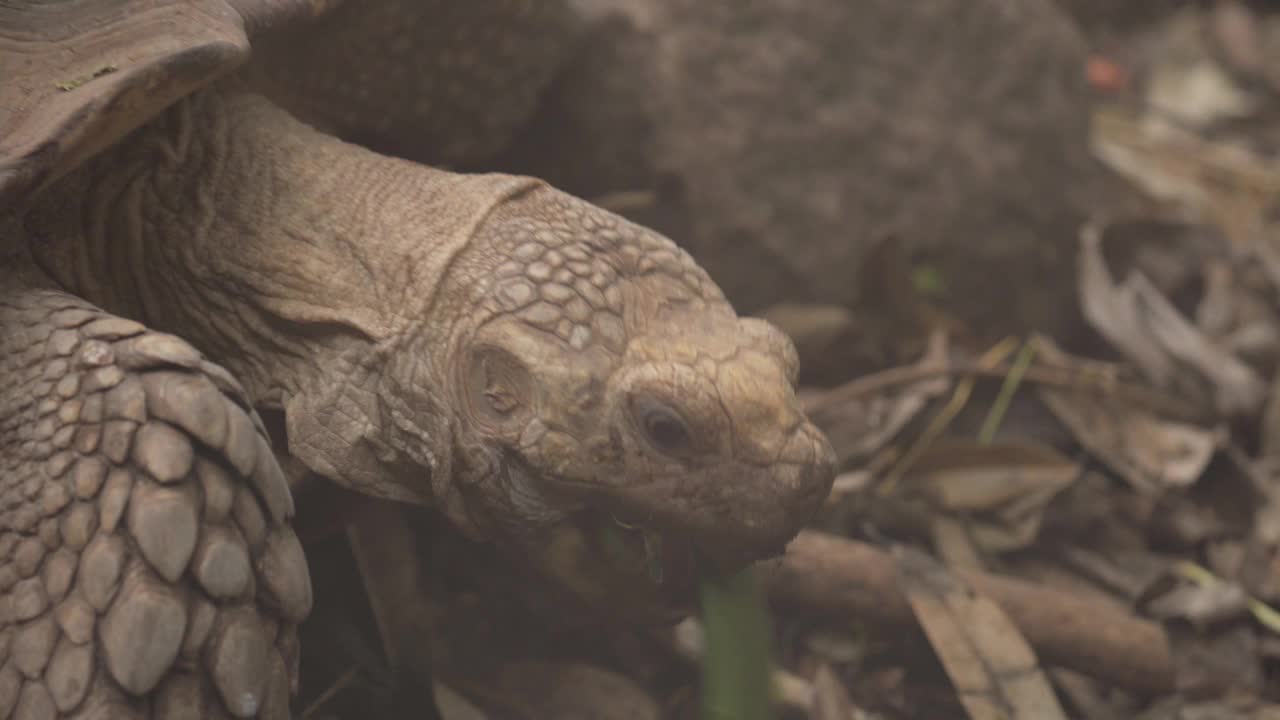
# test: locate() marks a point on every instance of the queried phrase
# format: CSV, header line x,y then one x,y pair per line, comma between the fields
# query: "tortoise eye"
x,y
667,432
664,429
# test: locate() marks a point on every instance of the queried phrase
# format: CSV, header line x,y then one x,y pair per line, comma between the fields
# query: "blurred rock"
x,y
1096,15
780,141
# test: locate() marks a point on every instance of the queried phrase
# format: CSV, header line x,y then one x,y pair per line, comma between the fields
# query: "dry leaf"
x,y
1232,27
1113,312
989,662
1123,429
453,706
1128,575
836,645
830,699
1201,605
954,543
1088,696
1148,452
1144,326
999,491
1217,181
1269,432
970,477
861,423
1198,94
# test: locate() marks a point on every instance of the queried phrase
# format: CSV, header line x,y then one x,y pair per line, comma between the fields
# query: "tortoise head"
x,y
616,420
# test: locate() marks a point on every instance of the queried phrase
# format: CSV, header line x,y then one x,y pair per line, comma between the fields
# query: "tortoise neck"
x,y
253,235
280,252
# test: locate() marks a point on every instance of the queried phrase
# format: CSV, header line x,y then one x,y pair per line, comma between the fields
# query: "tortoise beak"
x,y
773,508
738,512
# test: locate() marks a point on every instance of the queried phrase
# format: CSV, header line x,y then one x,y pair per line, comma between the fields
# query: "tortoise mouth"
x,y
616,560
626,557
659,568
720,542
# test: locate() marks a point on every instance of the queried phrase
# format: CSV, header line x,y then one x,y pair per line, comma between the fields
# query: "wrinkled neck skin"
x,y
301,263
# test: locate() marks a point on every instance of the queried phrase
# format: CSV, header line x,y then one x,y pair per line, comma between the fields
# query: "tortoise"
x,y
203,286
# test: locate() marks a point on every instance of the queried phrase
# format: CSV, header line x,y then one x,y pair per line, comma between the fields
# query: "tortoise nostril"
x,y
808,447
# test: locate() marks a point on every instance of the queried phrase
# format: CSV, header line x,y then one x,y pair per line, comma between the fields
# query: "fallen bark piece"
x,y
836,577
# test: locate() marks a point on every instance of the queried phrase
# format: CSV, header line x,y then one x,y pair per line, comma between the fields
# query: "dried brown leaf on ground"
x,y
1189,85
989,498
1264,472
1233,29
1147,451
1133,439
861,419
1113,311
453,706
1125,575
990,663
1143,325
1201,605
999,491
1221,182
831,700
1231,594
1088,698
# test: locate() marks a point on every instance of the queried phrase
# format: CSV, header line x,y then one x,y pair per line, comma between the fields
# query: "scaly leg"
x,y
147,565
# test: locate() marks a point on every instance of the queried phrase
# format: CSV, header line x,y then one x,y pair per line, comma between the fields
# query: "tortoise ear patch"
x,y
766,336
499,389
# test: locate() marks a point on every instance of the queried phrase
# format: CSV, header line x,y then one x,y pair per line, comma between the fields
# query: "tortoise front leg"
x,y
148,568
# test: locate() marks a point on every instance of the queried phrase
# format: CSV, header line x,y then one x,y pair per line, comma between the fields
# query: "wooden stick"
x,y
845,579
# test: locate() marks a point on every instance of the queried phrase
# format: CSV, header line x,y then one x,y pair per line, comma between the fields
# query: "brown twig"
x,y
1068,379
840,578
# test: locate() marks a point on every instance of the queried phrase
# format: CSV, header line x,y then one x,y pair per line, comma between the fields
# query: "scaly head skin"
x,y
615,418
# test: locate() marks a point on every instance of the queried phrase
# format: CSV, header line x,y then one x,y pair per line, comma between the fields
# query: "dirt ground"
x,y
1043,527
